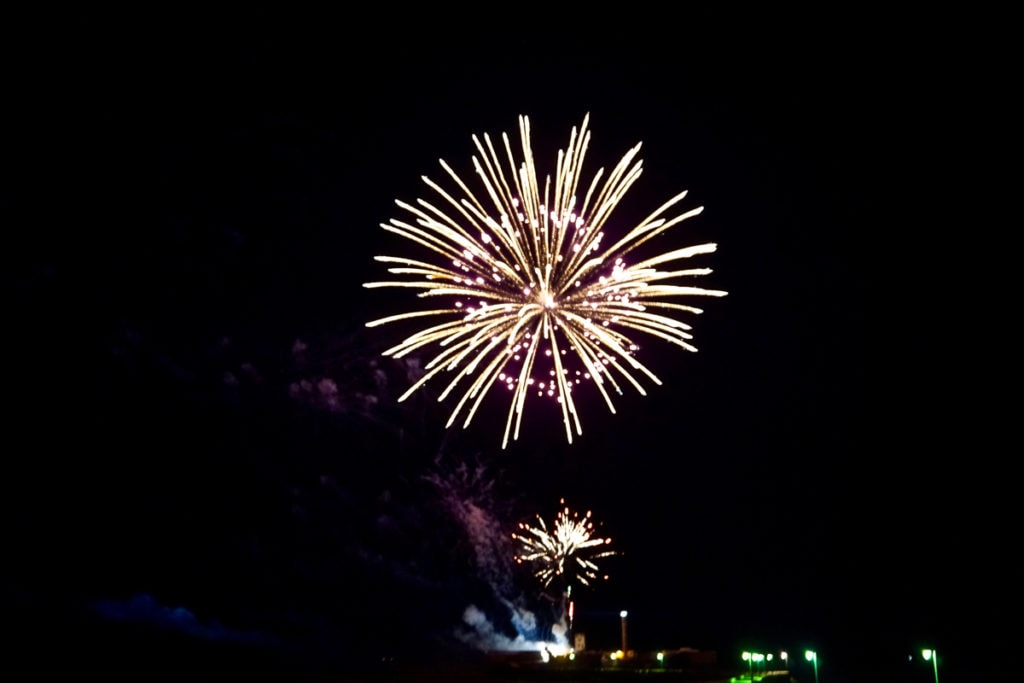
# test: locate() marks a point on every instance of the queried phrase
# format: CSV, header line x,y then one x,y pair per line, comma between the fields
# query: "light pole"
x,y
812,656
749,659
784,656
567,605
623,615
934,657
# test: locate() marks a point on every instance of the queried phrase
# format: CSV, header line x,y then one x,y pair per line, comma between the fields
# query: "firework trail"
x,y
529,296
569,548
467,492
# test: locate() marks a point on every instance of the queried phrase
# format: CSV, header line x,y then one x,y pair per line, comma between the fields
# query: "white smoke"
x,y
483,636
559,631
467,492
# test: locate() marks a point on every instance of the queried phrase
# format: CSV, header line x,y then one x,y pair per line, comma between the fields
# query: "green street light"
x,y
933,656
812,656
749,659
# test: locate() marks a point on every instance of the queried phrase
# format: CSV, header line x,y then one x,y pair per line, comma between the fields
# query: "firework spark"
x,y
569,547
532,299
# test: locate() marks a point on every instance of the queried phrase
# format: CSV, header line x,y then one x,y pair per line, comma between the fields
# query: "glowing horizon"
x,y
526,282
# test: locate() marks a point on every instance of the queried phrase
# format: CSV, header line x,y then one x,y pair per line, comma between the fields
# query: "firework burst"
x,y
568,549
531,298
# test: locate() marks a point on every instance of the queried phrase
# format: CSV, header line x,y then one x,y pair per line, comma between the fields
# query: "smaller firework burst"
x,y
569,549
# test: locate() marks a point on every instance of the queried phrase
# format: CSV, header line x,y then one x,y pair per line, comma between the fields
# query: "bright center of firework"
x,y
521,277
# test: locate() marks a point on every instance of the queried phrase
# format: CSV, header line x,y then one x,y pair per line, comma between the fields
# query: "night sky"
x,y
203,438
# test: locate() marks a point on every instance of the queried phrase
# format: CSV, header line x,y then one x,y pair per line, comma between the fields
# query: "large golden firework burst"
x,y
531,299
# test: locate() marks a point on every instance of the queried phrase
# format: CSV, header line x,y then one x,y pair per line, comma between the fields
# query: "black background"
x,y
187,196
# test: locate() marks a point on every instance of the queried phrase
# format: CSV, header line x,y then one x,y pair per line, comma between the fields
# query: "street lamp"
x,y
933,656
623,615
749,659
812,656
784,656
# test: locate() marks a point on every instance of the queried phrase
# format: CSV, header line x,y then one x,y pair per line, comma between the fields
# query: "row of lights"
x,y
812,656
752,657
928,654
757,657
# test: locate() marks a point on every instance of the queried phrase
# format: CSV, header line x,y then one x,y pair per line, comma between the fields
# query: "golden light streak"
x,y
526,282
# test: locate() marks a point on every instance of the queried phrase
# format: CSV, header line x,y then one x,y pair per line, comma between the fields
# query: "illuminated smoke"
x,y
467,493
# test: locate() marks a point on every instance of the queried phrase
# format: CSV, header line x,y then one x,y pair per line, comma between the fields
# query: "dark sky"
x,y
187,198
